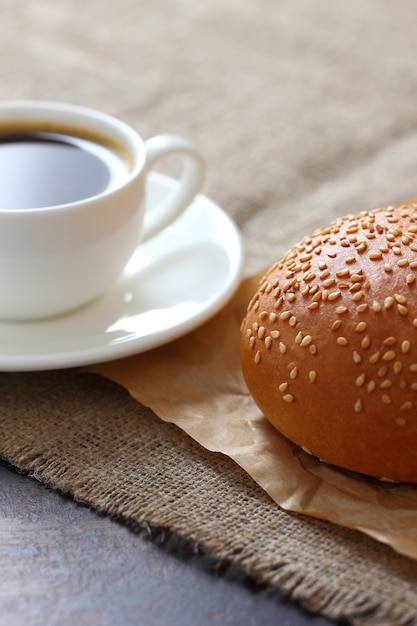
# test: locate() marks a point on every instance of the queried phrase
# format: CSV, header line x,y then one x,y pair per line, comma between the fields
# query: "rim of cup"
x,y
78,121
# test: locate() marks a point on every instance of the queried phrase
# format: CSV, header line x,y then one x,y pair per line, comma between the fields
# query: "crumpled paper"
x,y
196,383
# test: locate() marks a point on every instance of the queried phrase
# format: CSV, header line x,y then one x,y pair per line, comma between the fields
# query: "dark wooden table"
x,y
62,563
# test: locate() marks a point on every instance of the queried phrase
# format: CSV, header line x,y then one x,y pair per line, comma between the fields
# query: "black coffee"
x,y
42,169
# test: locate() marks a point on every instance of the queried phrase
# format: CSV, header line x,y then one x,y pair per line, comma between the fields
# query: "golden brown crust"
x,y
329,343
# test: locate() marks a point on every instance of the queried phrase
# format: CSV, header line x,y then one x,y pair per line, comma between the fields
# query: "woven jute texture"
x,y
305,111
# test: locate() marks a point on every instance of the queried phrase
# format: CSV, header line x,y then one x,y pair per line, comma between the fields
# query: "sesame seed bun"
x,y
329,343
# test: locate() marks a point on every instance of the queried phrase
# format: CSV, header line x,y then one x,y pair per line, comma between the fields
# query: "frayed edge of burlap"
x,y
281,580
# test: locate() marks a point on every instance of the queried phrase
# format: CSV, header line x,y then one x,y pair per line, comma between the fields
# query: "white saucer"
x,y
173,283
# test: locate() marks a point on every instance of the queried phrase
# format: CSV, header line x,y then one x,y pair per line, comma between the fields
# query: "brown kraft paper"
x,y
196,383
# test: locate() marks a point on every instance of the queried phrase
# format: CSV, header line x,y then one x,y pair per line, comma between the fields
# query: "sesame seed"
x,y
334,295
278,303
361,327
291,296
358,296
288,397
282,347
388,302
258,357
306,341
275,334
400,298
273,317
313,349
376,307
360,380
402,263
312,375
255,326
375,256
251,342
356,357
374,358
386,384
371,386
293,320
285,315
328,283
352,229
248,332
361,246
396,250
342,273
261,332
405,346
413,386
366,341
415,322
294,373
397,367
413,367
341,309
262,315
382,371
283,387
406,406
410,279
342,341
402,310
268,342
358,406
388,356
356,278
413,265
400,421
387,268
386,399
313,306
362,308
309,276
325,274
350,260
336,325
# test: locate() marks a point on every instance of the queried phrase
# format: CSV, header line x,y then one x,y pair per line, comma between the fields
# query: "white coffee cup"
x,y
60,252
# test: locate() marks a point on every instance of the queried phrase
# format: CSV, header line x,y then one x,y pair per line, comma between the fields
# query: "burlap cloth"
x,y
305,110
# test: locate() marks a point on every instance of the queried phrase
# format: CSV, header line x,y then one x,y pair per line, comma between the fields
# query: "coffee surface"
x,y
44,169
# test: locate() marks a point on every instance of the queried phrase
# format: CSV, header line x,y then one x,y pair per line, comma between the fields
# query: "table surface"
x,y
63,563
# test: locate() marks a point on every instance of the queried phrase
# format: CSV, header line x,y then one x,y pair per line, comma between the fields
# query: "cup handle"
x,y
189,186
